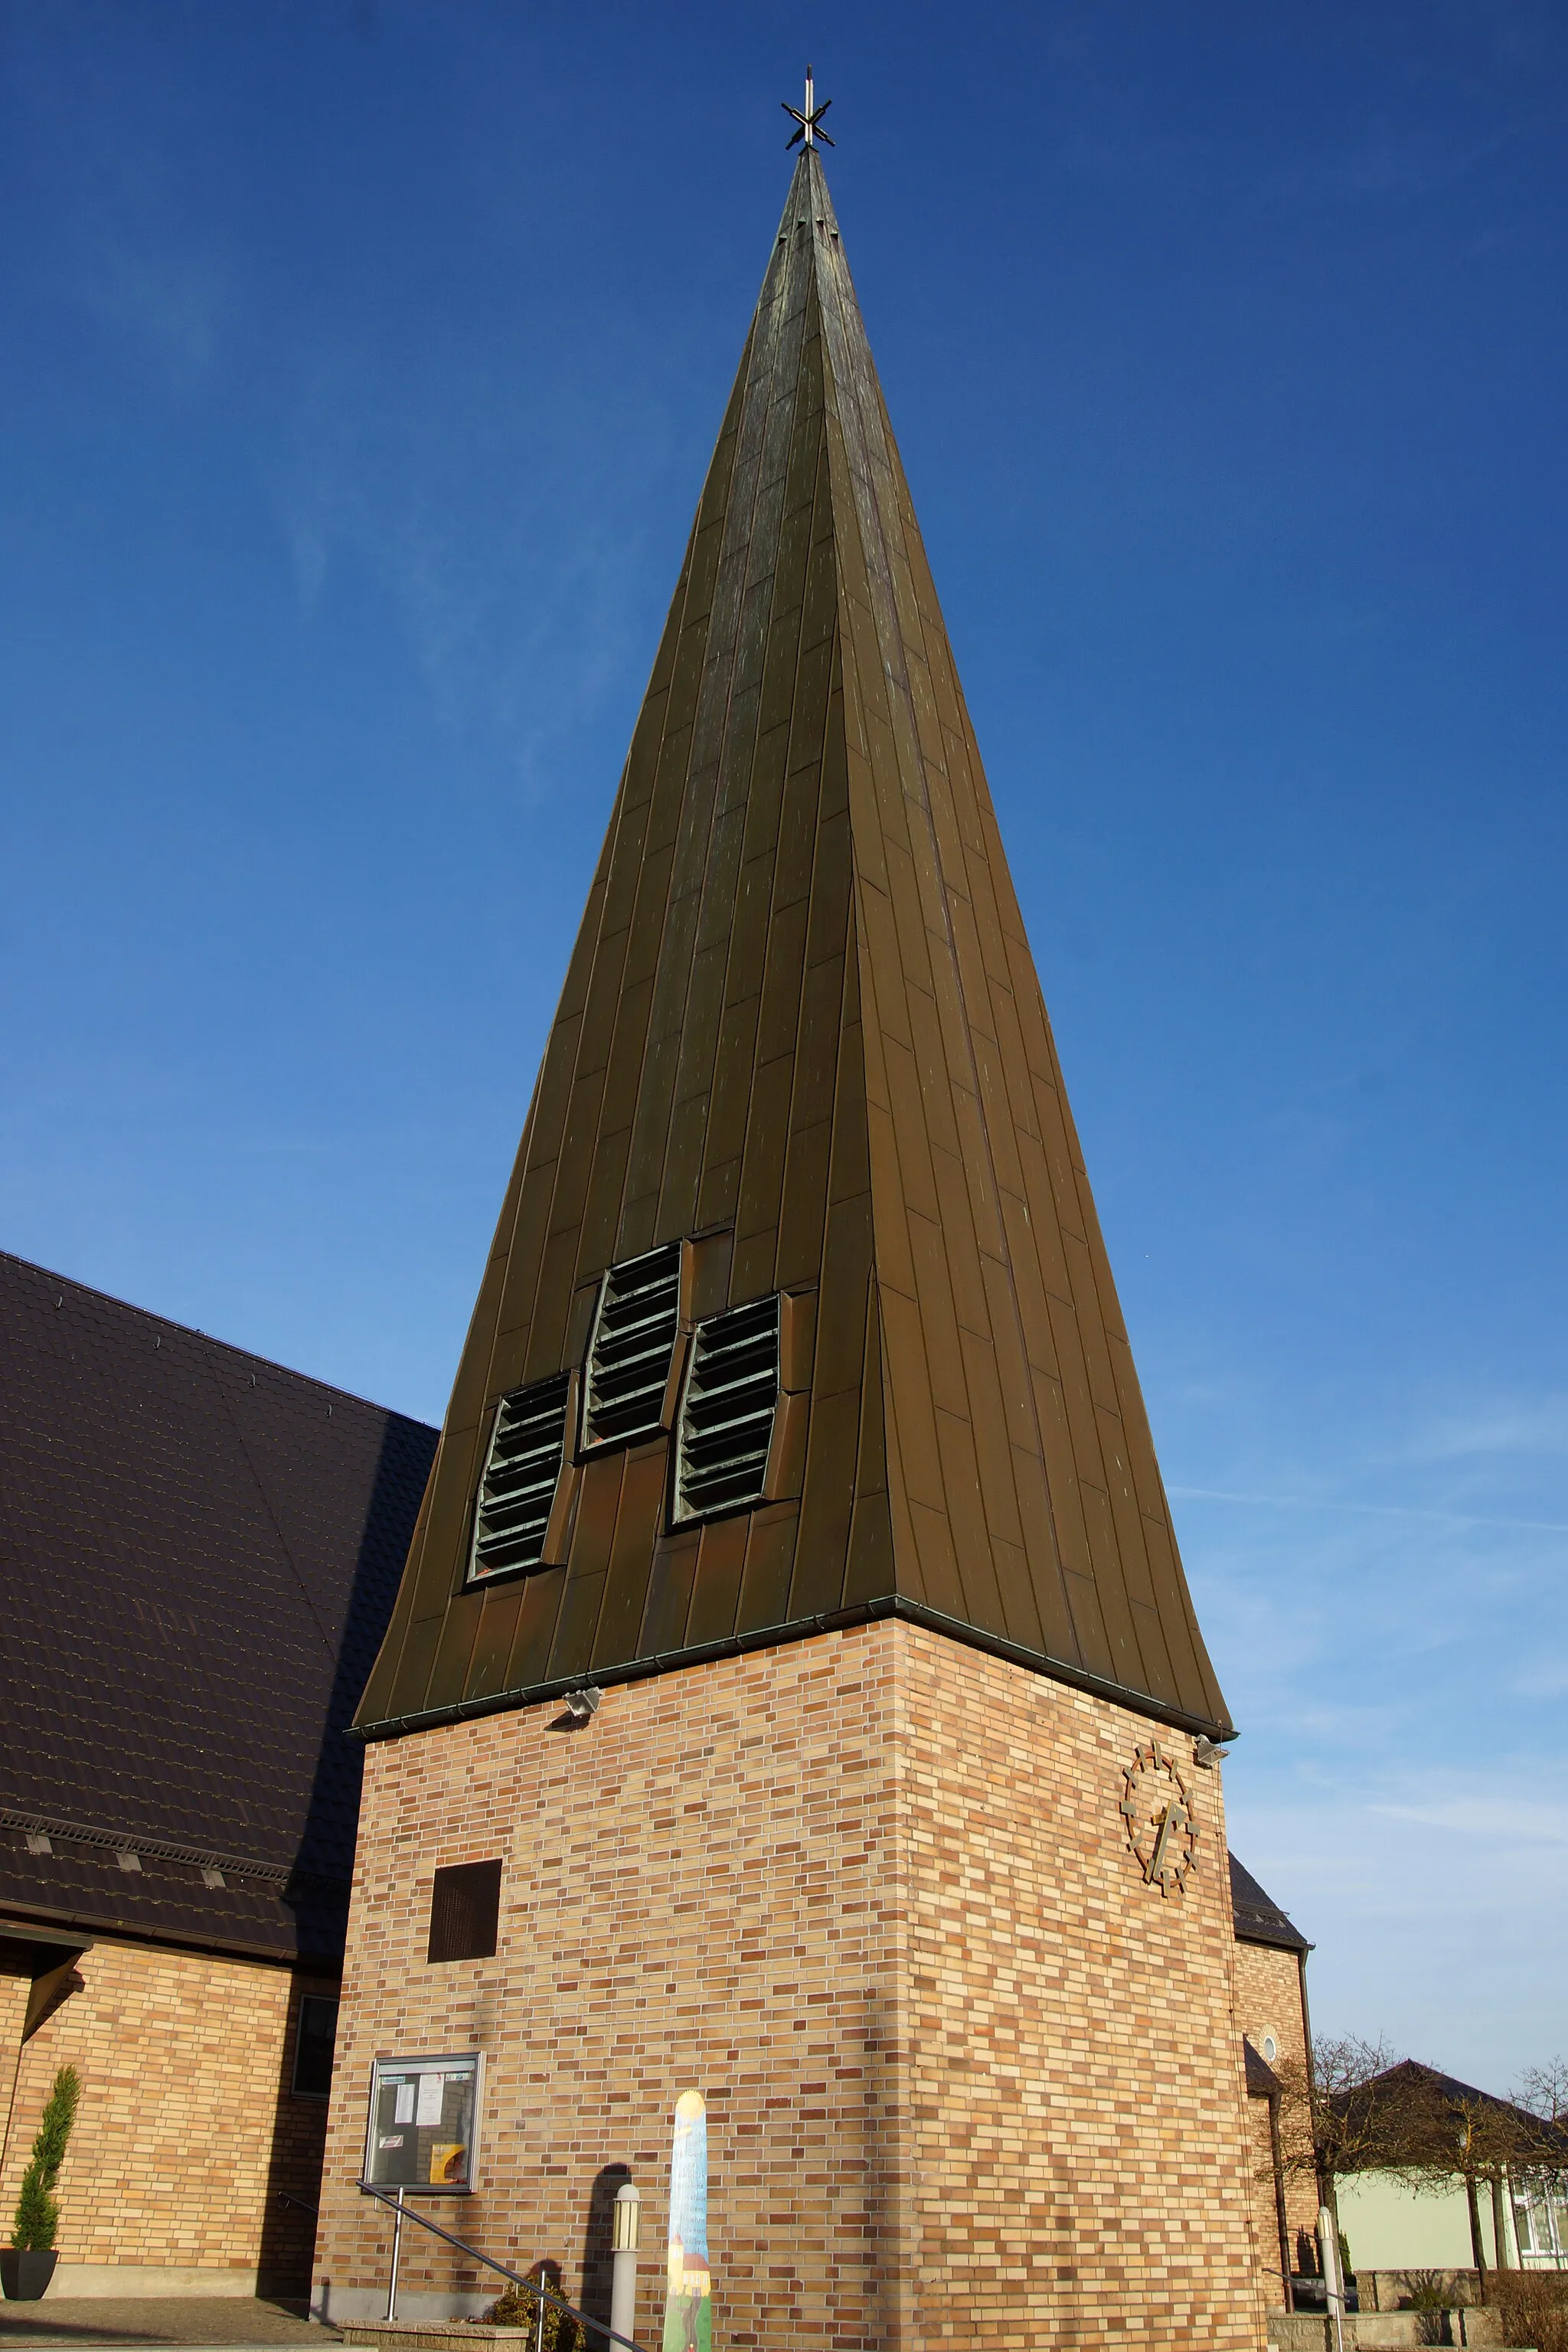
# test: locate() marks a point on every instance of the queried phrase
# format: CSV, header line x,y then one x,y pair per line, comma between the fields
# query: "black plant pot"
x,y
25,2272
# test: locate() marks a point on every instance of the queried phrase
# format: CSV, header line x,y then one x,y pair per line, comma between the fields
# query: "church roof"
x,y
200,1551
1256,1918
802,1051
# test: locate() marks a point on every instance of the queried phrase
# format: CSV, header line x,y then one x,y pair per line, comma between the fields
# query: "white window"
x,y
424,2117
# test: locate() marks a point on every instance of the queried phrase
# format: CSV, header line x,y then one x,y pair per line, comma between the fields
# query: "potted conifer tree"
x,y
27,2263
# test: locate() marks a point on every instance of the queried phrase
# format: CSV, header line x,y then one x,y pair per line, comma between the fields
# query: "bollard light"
x,y
628,2207
623,2266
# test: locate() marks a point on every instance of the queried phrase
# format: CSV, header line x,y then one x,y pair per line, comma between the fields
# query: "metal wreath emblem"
x,y
1161,1829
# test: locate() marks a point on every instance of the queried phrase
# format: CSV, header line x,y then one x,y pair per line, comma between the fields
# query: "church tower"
x,y
797,1427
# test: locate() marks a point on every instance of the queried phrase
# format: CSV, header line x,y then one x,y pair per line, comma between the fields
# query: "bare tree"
x,y
1544,2093
1438,2130
1542,2159
1337,2116
1359,2108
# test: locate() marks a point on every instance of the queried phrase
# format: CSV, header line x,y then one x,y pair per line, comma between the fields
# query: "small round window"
x,y
1270,2047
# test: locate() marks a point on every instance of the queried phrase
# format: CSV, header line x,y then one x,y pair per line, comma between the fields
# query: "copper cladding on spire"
x,y
802,1031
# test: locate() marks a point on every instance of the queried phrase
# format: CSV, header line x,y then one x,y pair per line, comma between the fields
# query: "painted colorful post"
x,y
687,2304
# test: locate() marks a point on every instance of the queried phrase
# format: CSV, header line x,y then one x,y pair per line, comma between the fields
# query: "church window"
x,y
522,1473
724,1434
423,2114
313,2039
631,1351
465,1911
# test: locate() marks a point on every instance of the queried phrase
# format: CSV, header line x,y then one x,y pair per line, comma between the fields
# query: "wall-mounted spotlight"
x,y
1206,1751
583,1706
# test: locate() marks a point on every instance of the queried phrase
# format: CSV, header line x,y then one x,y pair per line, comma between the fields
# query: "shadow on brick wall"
x,y
288,2240
598,2245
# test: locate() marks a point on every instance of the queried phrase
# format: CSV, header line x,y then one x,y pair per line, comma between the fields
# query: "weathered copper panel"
x,y
716,1594
764,1582
530,1660
670,1595
495,1639
454,1647
802,1031
637,1532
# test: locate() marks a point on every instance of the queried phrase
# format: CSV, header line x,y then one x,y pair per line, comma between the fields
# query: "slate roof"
x,y
1256,1918
803,1032
1262,2081
1412,2093
198,1554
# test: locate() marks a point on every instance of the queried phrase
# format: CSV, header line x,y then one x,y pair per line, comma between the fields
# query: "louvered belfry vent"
x,y
520,1477
631,1349
727,1411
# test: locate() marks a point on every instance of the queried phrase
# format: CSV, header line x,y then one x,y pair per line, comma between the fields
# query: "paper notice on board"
x,y
432,2088
403,2111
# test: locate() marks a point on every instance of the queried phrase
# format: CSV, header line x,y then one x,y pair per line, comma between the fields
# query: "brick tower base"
x,y
969,2077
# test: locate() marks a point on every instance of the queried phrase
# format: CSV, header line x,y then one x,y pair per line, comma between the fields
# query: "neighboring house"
x,y
1271,2011
199,1549
1391,2225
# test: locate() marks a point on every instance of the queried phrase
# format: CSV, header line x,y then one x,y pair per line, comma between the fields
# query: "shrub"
x,y
38,2216
1428,2299
518,2308
1534,2305
1428,2291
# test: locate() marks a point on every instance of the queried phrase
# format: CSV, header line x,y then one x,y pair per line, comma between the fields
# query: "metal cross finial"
x,y
810,119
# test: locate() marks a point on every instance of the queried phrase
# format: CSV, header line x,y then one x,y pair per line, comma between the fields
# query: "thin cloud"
x,y
1510,1817
1369,1510
1538,1425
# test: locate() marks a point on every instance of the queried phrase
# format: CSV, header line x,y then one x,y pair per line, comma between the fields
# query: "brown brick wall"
x,y
1269,2001
966,2073
187,2129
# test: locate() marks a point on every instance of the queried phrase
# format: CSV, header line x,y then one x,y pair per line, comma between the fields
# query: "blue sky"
x,y
360,369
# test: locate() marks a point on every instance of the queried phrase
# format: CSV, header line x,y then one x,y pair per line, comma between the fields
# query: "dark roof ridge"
x,y
162,1849
192,1331
1256,1918
1448,2085
1262,2081
323,1958
1541,2139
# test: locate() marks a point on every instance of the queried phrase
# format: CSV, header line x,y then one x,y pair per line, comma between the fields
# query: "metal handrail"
x,y
532,2286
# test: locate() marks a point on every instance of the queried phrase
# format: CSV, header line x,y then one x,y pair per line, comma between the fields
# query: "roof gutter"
x,y
800,1629
155,1936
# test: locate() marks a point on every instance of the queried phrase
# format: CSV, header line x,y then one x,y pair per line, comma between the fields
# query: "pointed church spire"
x,y
798,1310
